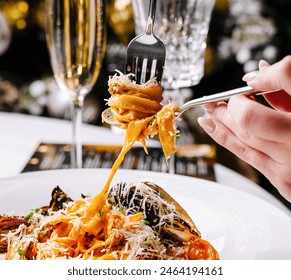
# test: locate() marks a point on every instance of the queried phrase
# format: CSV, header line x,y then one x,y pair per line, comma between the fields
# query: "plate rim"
x,y
282,207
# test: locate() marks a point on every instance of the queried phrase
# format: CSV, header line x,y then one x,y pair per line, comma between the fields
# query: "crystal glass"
x,y
76,39
183,26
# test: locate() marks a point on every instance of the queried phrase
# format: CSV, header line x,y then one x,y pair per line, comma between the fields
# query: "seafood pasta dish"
x,y
125,221
134,222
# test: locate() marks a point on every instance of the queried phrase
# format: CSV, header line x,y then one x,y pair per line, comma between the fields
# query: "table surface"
x,y
21,134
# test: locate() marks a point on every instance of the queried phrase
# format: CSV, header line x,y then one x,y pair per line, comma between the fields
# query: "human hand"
x,y
256,133
276,76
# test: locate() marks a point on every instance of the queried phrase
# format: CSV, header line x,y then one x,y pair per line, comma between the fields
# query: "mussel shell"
x,y
58,201
163,213
133,201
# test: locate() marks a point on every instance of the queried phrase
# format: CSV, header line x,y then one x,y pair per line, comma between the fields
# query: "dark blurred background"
x,y
241,33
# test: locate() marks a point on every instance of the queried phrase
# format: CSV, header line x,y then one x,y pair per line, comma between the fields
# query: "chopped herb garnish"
x,y
28,217
166,242
121,209
37,210
153,118
101,213
20,252
146,222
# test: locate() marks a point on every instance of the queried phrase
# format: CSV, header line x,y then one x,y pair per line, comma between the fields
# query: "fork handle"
x,y
151,17
222,96
152,9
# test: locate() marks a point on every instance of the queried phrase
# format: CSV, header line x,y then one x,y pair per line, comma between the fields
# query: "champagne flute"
x,y
76,40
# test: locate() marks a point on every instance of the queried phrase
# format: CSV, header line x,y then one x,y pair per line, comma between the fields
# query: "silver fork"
x,y
222,96
146,53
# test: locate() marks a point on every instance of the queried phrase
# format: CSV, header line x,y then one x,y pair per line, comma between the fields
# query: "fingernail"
x,y
263,63
250,76
207,124
210,108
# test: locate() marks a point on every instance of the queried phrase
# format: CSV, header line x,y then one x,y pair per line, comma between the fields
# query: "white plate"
x,y
238,224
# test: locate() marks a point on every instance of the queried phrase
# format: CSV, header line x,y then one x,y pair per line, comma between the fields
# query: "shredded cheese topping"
x,y
108,235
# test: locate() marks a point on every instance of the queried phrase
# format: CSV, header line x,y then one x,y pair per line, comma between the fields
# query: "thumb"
x,y
276,76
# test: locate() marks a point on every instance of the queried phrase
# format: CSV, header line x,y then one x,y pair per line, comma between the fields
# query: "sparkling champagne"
x,y
76,42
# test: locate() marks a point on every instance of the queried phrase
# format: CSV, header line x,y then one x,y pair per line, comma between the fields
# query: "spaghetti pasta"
x,y
137,108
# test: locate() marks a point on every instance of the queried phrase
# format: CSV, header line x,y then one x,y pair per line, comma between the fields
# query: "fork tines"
x,y
145,61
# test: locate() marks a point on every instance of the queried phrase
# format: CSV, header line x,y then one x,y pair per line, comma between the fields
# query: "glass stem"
x,y
76,150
